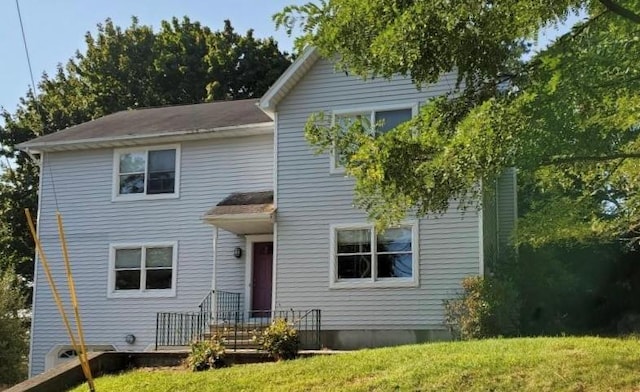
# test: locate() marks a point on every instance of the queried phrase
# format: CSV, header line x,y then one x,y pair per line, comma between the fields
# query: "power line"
x,y
35,100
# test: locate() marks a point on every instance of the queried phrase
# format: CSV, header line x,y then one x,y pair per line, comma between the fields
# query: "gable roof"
x,y
288,80
143,124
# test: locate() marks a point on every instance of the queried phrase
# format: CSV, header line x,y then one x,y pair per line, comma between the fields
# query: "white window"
x,y
384,119
151,172
363,257
147,270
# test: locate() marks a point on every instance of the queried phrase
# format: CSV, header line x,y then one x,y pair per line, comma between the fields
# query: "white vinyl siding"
x,y
210,171
310,200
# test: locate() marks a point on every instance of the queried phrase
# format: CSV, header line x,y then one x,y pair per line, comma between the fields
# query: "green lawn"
x,y
540,364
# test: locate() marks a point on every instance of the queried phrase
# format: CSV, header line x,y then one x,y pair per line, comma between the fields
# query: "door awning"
x,y
244,213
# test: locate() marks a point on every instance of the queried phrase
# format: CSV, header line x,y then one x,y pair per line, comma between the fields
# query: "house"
x,y
163,205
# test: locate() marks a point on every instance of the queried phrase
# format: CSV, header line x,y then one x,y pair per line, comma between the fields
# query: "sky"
x,y
56,29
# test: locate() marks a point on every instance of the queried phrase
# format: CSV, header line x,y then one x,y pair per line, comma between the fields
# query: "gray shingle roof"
x,y
159,121
244,203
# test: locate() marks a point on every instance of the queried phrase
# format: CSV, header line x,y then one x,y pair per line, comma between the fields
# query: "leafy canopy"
x,y
566,117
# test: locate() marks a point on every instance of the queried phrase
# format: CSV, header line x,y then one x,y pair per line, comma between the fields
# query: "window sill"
x,y
142,294
135,197
380,284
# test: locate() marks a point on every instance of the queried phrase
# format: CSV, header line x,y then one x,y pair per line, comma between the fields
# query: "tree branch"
x,y
559,159
621,11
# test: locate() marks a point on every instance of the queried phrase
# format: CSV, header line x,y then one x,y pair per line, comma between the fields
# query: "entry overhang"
x,y
244,213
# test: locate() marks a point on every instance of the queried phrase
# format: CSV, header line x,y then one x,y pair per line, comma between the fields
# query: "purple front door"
x,y
261,279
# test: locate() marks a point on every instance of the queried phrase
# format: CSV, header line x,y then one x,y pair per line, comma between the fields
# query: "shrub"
x,y
487,307
280,340
206,354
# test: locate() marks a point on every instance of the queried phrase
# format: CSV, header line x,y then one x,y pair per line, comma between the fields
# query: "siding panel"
x,y
210,170
310,200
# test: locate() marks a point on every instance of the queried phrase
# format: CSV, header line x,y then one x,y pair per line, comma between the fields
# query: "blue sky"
x,y
56,29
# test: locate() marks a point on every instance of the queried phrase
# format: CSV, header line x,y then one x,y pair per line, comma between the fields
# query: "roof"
x,y
244,213
158,122
244,203
288,80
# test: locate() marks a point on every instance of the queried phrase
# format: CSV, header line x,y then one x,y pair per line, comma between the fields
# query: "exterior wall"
x,y
507,206
310,199
499,218
210,170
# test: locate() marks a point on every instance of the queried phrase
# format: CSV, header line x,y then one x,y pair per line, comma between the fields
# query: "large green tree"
x,y
182,63
567,117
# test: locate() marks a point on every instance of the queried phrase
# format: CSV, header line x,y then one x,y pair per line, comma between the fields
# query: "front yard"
x,y
535,364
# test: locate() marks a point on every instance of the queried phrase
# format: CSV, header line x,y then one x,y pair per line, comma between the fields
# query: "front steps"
x,y
239,337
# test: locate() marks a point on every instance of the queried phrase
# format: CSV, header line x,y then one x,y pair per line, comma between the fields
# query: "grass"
x,y
536,364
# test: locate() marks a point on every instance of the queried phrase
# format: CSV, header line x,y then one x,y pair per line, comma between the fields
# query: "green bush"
x,y
280,340
206,354
487,307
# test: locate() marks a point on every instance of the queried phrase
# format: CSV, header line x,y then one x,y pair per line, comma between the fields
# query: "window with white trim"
x,y
361,255
143,270
151,172
384,120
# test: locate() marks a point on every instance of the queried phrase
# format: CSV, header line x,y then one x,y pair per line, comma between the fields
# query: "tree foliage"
x,y
566,117
13,330
182,63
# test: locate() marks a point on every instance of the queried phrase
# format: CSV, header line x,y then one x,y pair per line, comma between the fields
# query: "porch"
x,y
223,314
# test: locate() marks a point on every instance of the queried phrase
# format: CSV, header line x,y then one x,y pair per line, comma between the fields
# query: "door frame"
x,y
248,259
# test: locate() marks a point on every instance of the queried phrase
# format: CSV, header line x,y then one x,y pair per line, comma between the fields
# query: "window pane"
x,y
395,240
132,162
354,241
131,183
161,183
159,257
389,119
159,279
128,280
354,267
162,161
128,258
395,266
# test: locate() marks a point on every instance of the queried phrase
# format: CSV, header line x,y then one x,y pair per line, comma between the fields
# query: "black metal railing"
x,y
222,313
239,329
180,329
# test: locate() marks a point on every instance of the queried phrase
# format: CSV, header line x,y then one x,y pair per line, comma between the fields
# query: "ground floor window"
x,y
142,269
361,255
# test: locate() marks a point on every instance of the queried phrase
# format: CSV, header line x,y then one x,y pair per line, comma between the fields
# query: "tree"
x,y
13,330
567,117
183,63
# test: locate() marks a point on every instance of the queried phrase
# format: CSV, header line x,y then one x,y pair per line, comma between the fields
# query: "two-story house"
x,y
163,205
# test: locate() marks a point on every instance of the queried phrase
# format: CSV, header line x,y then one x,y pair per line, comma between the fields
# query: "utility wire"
x,y
35,100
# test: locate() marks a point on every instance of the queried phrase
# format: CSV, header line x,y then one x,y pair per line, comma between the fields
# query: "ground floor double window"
x,y
363,256
143,269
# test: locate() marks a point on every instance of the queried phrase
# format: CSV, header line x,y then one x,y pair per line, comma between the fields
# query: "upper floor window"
x,y
380,120
151,172
363,257
138,270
